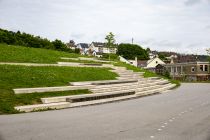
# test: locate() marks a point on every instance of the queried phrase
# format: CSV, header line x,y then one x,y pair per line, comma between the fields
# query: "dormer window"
x,y
192,69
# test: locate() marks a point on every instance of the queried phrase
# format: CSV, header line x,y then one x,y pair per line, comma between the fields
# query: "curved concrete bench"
x,y
103,82
90,97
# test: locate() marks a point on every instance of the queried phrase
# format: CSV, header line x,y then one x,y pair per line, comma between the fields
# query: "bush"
x,y
28,40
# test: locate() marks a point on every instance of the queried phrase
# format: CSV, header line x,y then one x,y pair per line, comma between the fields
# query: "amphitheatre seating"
x,y
90,97
103,82
49,89
128,85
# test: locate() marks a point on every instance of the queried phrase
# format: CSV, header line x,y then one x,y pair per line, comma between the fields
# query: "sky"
x,y
165,25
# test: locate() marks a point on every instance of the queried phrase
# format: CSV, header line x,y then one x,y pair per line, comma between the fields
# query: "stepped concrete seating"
x,y
154,91
103,97
102,101
30,108
116,87
129,85
48,89
137,86
103,82
146,88
86,97
82,98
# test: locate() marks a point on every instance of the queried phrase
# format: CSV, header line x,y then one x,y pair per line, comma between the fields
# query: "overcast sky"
x,y
164,25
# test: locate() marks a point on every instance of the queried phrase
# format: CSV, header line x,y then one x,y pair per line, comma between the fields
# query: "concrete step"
x,y
146,88
147,81
102,101
148,84
30,108
127,75
129,78
49,89
111,89
154,91
103,82
62,104
64,98
154,78
119,87
100,96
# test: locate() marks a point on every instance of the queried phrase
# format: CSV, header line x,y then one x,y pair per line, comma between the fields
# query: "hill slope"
x,y
10,53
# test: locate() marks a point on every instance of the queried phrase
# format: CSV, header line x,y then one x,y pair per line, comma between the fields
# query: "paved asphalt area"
x,y
181,114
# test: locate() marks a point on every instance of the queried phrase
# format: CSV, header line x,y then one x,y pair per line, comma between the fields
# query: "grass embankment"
x,y
27,77
9,53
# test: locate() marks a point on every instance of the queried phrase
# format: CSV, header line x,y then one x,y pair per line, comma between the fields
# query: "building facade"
x,y
84,48
101,48
192,71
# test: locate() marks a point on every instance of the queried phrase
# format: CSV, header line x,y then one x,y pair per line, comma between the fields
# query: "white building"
x,y
152,63
84,48
98,49
147,64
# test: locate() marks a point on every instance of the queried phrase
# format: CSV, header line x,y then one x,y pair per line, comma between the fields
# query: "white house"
x,y
84,48
147,64
152,63
98,49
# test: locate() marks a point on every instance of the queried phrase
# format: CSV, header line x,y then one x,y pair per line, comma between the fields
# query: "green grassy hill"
x,y
10,53
26,77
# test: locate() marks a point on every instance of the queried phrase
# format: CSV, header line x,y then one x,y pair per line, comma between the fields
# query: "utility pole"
x,y
132,40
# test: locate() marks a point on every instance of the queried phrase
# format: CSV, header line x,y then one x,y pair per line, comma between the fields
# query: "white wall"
x,y
154,62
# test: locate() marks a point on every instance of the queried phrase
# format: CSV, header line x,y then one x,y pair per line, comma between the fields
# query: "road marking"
x,y
170,120
162,126
152,137
165,123
159,129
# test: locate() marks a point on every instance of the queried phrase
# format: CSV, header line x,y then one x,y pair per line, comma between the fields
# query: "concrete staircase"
x,y
128,85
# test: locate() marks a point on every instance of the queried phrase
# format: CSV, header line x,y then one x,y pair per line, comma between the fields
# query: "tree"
x,y
110,41
130,51
208,52
162,56
58,45
28,40
148,50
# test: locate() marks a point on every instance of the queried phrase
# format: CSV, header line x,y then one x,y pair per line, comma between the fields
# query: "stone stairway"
x,y
128,85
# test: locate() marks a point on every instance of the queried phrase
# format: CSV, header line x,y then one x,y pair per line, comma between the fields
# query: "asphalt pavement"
x,y
180,114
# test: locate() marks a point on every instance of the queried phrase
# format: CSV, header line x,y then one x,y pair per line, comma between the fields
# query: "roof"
x,y
83,45
99,44
187,63
142,63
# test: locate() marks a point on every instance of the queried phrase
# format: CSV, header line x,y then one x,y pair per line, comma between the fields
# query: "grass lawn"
x,y
24,77
9,53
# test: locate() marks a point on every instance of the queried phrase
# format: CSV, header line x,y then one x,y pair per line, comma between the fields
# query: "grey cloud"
x,y
77,35
192,2
207,27
160,25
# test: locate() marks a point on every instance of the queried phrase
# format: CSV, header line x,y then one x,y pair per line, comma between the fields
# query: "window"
x,y
206,67
156,62
192,69
201,67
